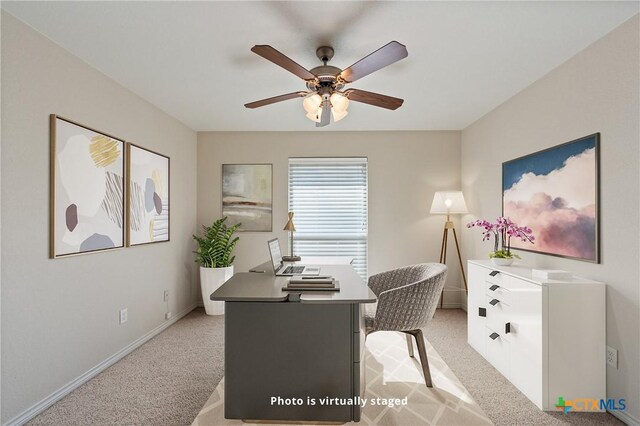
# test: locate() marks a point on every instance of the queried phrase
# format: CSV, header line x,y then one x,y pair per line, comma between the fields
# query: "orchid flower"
x,y
502,230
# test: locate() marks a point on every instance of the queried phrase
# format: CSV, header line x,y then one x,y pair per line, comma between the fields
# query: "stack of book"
x,y
326,283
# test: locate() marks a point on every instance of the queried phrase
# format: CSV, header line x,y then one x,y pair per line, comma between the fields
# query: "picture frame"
x,y
86,189
247,196
148,186
556,192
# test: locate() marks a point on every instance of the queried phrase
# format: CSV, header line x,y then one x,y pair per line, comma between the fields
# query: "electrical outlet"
x,y
612,357
123,315
167,315
166,295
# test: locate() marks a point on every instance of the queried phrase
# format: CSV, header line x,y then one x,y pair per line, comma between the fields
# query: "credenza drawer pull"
x,y
494,302
482,312
494,273
494,336
494,287
507,328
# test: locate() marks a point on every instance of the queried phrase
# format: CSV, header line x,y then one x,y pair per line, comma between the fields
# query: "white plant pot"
x,y
210,280
501,262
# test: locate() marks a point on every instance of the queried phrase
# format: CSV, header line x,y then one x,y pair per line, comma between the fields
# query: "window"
x,y
329,199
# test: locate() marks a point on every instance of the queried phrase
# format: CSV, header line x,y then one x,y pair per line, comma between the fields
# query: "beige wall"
x,y
405,168
60,317
596,91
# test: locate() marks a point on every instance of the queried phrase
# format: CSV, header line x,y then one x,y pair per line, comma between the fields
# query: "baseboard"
x,y
48,401
451,305
626,418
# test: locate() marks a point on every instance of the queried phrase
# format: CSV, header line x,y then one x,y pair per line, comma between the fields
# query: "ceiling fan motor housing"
x,y
326,75
324,53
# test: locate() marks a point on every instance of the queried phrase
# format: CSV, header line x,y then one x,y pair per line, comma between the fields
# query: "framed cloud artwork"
x,y
148,208
247,196
555,192
86,189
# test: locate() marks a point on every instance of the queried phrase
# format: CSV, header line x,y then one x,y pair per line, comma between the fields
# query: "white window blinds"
x,y
329,199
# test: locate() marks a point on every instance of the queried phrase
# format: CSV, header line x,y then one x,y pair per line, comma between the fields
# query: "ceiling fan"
x,y
324,96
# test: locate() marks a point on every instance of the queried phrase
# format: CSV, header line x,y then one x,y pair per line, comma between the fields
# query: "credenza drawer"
x,y
498,291
497,350
498,315
493,276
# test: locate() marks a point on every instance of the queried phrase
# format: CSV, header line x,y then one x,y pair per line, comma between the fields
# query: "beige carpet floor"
x,y
391,374
169,379
164,382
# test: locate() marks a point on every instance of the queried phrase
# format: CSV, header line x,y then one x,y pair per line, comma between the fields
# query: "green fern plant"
x,y
216,246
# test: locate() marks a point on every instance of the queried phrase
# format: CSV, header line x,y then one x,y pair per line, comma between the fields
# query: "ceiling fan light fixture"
x,y
339,102
311,103
316,115
338,115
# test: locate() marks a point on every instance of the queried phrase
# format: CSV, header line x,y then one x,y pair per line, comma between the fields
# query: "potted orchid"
x,y
502,230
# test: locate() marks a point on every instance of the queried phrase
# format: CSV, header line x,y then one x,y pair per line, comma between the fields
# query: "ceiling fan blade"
x,y
278,58
275,99
386,55
375,99
326,115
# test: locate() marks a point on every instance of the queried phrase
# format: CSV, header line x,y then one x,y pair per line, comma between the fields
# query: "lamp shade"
x,y
448,202
339,102
337,116
311,103
315,116
290,226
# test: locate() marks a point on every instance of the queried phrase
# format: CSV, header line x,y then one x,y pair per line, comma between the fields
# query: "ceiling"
x,y
192,59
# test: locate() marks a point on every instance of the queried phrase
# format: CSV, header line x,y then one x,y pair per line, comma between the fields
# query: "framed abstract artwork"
x,y
247,196
555,192
148,181
86,189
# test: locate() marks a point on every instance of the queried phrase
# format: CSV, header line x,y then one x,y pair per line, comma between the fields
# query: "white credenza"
x,y
545,337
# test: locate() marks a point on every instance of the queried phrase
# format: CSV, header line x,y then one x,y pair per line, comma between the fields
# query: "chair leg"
x,y
422,352
410,346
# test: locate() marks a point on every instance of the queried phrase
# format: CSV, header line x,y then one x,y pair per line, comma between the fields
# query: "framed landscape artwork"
x,y
555,192
86,189
148,177
247,196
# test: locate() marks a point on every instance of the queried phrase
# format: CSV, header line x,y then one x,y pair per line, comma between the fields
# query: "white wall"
x,y
405,168
596,91
60,317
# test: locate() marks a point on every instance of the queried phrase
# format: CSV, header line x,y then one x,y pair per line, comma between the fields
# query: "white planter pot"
x,y
210,280
501,262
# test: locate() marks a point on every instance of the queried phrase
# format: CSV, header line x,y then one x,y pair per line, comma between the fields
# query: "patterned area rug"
x,y
391,373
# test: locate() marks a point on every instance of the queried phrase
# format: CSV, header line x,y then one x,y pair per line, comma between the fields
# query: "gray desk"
x,y
293,345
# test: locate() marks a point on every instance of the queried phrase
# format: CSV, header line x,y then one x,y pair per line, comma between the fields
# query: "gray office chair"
x,y
407,300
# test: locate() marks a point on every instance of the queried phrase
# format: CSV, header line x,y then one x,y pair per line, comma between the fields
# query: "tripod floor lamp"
x,y
449,202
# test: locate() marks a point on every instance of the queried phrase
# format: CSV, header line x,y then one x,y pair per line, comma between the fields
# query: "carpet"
x,y
391,373
168,380
162,383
